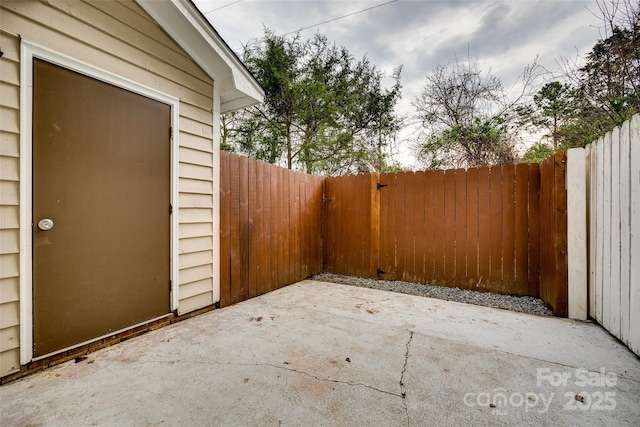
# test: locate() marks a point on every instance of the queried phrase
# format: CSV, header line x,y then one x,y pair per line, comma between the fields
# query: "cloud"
x,y
503,36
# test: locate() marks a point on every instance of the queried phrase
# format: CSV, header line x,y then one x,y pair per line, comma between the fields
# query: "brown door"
x,y
101,174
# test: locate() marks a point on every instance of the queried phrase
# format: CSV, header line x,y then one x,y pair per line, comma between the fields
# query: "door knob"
x,y
45,224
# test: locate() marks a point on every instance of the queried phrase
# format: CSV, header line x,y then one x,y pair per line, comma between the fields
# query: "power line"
x,y
237,51
339,17
222,7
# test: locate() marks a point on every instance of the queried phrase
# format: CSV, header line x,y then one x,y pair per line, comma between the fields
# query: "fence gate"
x,y
614,232
351,224
474,229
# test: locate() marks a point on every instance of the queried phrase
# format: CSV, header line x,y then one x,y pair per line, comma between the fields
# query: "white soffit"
x,y
186,25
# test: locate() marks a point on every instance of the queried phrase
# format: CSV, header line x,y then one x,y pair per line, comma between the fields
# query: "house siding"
x,y
9,203
121,38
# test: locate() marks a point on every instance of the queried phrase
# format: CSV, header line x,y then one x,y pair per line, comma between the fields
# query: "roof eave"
x,y
189,28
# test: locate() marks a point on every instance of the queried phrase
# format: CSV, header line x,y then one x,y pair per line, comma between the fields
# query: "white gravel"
x,y
521,304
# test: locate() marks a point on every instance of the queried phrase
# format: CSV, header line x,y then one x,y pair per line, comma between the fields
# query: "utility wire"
x,y
339,17
222,7
237,51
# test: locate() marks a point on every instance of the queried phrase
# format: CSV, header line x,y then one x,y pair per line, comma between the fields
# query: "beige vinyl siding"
x,y
119,37
9,204
196,210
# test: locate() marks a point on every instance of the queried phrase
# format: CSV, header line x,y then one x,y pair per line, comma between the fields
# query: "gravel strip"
x,y
529,305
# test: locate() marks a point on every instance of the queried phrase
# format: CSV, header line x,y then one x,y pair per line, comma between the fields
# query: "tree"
x,y
611,76
324,111
607,84
553,107
467,117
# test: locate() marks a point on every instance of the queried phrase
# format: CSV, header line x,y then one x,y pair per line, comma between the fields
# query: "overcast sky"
x,y
504,36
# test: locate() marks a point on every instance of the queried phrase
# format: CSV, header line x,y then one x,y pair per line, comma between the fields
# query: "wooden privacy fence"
x,y
613,173
474,229
270,227
490,229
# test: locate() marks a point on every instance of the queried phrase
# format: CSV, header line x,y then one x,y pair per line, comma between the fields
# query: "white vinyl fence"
x,y
613,216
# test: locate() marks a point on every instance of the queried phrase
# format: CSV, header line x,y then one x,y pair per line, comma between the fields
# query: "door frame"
x,y
29,51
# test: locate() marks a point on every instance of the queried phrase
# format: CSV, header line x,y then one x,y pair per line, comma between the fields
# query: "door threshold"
x,y
109,335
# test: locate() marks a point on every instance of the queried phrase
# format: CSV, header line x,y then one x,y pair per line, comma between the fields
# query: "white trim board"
x,y
29,51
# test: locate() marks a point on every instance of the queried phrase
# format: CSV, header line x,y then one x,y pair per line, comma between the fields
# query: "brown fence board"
x,y
364,223
553,232
358,212
559,203
295,228
408,230
344,242
234,228
225,231
449,227
508,228
253,227
262,270
496,227
534,231
419,220
304,221
484,230
471,247
398,225
547,279
243,225
352,232
316,215
340,241
270,243
316,194
439,224
461,227
383,216
355,207
395,199
430,225
521,228
285,227
275,218
385,236
373,195
309,234
330,226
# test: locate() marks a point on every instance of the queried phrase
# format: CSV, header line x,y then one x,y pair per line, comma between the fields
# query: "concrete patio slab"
x,y
324,354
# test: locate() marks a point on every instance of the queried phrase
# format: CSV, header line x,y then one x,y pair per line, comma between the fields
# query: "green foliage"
x,y
479,143
606,88
610,79
538,152
324,111
553,107
599,92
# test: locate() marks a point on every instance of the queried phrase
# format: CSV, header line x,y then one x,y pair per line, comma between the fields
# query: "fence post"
x,y
374,203
553,233
577,233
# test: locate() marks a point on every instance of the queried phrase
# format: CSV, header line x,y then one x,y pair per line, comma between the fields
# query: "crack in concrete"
x,y
403,389
350,383
402,395
284,368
